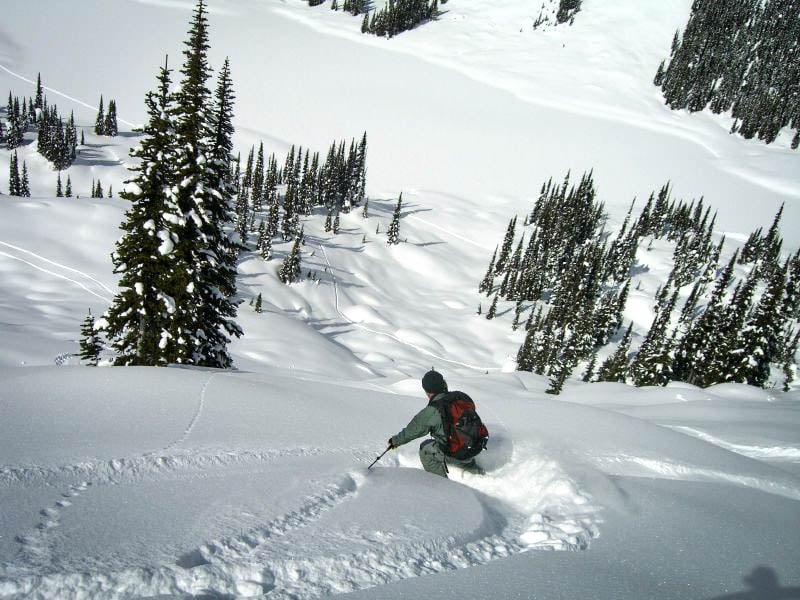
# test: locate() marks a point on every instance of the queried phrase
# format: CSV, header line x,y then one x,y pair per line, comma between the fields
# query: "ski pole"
x,y
380,457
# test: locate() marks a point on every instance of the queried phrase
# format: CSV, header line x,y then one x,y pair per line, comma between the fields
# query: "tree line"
x,y
738,56
392,19
572,278
57,139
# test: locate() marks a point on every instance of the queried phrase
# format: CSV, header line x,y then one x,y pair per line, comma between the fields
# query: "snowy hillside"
x,y
143,482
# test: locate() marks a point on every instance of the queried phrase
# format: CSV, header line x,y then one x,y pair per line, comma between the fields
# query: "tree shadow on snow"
x,y
93,157
763,584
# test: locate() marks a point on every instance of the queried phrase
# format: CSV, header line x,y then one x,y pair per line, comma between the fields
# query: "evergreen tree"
x,y
14,180
291,268
24,186
100,122
762,337
68,190
258,303
615,367
488,280
90,345
653,361
39,92
142,322
110,122
505,249
207,299
492,309
59,191
393,233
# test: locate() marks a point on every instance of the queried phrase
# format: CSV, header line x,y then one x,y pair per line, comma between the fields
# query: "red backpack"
x,y
466,433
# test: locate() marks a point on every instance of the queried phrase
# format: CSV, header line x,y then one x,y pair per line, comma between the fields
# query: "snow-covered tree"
x,y
100,122
90,344
14,180
141,322
291,267
206,302
24,184
110,122
393,233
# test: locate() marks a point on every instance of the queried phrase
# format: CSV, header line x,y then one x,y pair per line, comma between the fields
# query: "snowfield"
x,y
245,484
187,482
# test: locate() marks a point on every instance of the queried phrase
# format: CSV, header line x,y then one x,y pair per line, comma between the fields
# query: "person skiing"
x,y
449,442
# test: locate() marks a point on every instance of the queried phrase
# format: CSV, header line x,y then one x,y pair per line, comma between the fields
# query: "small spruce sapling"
x,y
90,345
393,233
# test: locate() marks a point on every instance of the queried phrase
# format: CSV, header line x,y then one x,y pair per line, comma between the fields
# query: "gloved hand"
x,y
391,444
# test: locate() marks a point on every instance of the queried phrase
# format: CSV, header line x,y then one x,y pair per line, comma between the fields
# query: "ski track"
x,y
195,418
389,335
254,564
53,273
62,94
776,453
259,562
687,472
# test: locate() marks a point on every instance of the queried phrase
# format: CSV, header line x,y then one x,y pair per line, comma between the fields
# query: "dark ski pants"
x,y
433,459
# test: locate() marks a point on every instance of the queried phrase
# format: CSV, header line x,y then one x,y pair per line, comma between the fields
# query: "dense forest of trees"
x,y
573,280
395,17
278,196
56,139
557,12
741,56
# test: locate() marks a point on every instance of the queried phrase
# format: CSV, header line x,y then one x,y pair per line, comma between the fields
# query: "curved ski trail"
x,y
86,276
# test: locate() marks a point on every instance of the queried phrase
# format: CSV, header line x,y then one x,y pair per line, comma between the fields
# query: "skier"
x,y
450,418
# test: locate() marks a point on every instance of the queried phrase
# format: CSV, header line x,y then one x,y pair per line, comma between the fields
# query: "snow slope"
x,y
120,483
244,484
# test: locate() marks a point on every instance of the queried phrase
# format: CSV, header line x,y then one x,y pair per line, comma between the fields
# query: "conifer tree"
x,y
291,268
505,249
488,279
258,303
68,190
762,337
39,92
142,322
14,180
24,185
653,362
100,122
207,301
492,309
365,211
393,233
59,190
615,367
90,345
110,122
